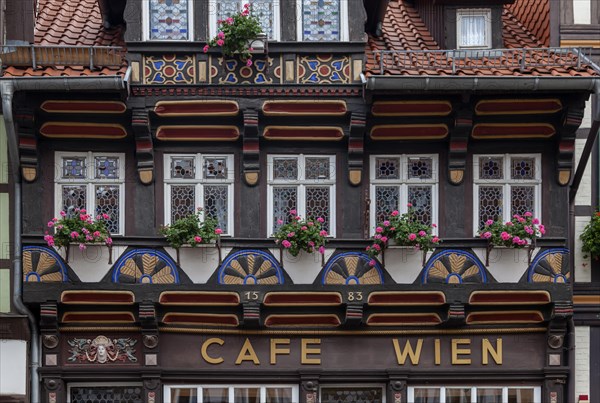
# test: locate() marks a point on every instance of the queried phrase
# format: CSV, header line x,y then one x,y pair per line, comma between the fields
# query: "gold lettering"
x,y
438,354
487,349
306,351
247,353
275,350
457,351
204,350
415,356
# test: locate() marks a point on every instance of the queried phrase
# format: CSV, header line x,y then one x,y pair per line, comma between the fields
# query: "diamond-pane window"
x,y
92,181
321,20
506,185
169,20
397,181
105,394
202,181
351,394
302,183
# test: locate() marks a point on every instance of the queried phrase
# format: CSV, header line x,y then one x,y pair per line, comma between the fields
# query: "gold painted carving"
x,y
306,351
204,350
247,353
401,355
456,351
456,176
276,350
355,177
487,350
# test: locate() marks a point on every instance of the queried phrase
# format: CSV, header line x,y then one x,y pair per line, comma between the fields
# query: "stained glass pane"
x,y
107,167
387,199
318,204
490,204
279,395
522,200
420,168
73,197
352,395
321,20
522,168
227,8
107,202
183,168
215,168
317,168
491,168
387,168
285,168
73,168
169,19
182,201
263,10
421,199
105,394
216,204
284,200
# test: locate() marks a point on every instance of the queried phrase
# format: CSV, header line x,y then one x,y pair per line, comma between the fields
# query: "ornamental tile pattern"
x,y
169,69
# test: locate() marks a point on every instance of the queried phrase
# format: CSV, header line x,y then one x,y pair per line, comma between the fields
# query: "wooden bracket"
x,y
356,147
28,144
459,140
144,151
566,142
251,148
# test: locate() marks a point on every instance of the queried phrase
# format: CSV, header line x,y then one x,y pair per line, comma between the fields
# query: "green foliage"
x,y
235,33
302,235
191,230
519,232
591,238
78,227
404,230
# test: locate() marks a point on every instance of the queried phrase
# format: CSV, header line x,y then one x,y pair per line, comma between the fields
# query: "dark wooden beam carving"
x,y
144,150
28,144
251,312
459,141
356,147
566,142
251,148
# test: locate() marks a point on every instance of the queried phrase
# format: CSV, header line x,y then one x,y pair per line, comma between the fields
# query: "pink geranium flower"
x,y
286,243
218,231
412,237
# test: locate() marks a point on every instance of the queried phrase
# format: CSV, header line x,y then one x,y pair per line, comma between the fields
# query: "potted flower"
x,y
591,238
238,35
519,232
78,228
402,230
301,235
191,230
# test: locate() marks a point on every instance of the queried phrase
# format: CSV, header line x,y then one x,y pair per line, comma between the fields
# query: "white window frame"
x,y
301,185
344,29
102,384
199,182
355,385
146,23
403,184
212,18
506,184
263,390
537,391
90,182
483,12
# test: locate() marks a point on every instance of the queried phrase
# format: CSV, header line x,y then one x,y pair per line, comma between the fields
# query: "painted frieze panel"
x,y
454,267
146,266
352,268
550,266
169,69
232,70
43,265
250,266
324,69
102,350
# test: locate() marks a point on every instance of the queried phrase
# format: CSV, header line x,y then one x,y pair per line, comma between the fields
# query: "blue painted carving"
x,y
454,267
146,266
352,268
550,266
250,266
43,265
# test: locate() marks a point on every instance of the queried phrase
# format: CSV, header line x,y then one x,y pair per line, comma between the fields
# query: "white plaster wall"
x,y
583,267
13,366
586,123
506,265
404,264
91,264
582,11
582,360
199,263
584,194
304,268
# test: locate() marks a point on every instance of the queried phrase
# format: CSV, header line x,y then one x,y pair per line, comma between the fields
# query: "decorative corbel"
x,y
49,317
251,314
456,314
144,151
356,147
354,314
251,149
147,314
459,140
567,133
28,144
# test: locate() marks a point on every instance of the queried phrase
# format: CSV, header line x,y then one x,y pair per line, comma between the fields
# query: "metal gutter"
x,y
8,87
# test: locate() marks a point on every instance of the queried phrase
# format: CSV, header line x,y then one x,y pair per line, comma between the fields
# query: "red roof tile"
x,y
74,23
404,30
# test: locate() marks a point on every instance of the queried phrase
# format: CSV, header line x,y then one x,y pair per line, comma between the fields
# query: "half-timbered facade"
x,y
353,109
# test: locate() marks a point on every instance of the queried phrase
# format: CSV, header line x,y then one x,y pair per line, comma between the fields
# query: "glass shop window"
x,y
472,394
231,394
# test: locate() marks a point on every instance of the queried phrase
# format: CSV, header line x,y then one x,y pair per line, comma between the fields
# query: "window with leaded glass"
x,y
168,20
267,12
352,394
399,180
323,20
474,394
104,393
506,185
92,181
195,181
252,393
305,183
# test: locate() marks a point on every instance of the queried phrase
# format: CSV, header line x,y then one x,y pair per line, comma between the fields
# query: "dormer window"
x,y
474,28
267,12
168,20
323,20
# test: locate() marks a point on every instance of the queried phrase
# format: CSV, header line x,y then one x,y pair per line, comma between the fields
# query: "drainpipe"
x,y
8,86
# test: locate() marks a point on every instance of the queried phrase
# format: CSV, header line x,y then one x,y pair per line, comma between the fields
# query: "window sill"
x,y
274,47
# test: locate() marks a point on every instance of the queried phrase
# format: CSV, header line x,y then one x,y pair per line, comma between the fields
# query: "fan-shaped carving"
x,y
250,267
42,264
454,267
145,266
352,268
550,266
